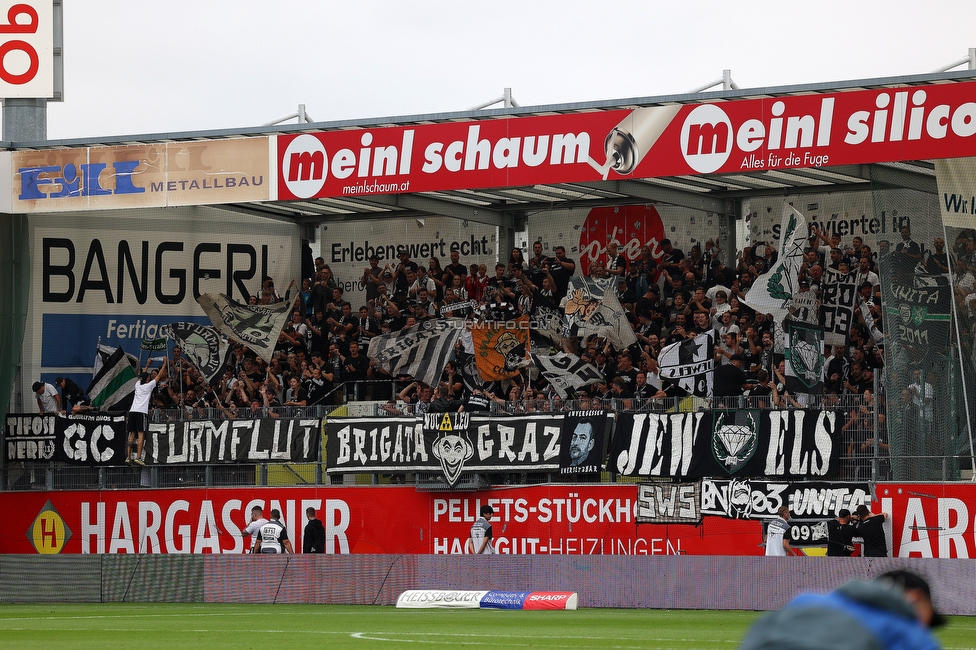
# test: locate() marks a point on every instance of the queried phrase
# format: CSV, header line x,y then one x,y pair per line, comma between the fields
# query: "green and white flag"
x,y
153,345
804,357
256,326
772,292
203,346
115,381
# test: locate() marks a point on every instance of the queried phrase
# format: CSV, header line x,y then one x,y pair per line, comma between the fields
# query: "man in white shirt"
x,y
138,420
48,398
481,536
254,527
777,535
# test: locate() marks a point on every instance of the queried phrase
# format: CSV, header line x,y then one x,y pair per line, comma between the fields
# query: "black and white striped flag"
x,y
421,351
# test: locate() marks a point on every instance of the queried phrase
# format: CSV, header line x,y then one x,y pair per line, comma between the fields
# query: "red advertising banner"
x,y
930,519
815,130
557,519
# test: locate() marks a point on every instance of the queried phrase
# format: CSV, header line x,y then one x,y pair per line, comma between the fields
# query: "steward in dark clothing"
x,y
313,538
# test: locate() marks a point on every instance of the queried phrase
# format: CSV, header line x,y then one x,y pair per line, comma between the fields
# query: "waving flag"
x,y
501,351
115,380
691,363
592,307
256,326
804,357
203,346
566,372
772,292
421,351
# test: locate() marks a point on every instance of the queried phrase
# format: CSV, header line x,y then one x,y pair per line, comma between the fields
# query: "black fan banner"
x,y
258,440
796,443
463,444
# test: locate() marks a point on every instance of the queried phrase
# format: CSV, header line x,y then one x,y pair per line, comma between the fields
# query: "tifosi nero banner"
x,y
881,125
668,503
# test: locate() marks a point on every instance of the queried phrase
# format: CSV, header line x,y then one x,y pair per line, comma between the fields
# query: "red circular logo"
x,y
632,226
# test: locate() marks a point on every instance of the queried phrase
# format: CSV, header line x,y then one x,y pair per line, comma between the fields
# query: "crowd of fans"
x,y
668,295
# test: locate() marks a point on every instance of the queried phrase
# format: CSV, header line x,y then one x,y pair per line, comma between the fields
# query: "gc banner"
x,y
668,503
454,445
283,440
797,443
95,439
744,499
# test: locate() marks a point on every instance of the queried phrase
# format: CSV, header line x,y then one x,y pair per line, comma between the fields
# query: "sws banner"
x,y
797,443
453,443
745,499
283,440
668,503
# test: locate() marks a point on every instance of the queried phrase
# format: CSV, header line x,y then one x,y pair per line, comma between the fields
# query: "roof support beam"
x,y
433,207
646,192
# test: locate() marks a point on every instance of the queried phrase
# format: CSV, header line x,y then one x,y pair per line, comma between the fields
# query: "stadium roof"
x,y
509,206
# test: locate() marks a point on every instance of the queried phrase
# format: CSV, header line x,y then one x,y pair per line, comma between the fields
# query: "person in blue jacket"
x,y
892,612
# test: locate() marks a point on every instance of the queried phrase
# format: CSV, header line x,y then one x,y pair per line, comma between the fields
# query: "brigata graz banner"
x,y
745,499
796,443
814,130
258,440
453,443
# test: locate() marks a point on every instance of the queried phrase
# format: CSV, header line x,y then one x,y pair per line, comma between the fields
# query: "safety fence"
x,y
672,582
863,431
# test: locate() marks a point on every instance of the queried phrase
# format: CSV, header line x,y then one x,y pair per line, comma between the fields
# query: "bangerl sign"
x,y
843,128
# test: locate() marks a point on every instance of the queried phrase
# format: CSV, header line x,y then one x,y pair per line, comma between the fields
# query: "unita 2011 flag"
x,y
256,326
421,350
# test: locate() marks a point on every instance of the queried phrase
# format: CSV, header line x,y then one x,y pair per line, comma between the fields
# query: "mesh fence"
x,y
923,399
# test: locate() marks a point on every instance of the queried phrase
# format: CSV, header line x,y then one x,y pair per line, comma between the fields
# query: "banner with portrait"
x,y
582,443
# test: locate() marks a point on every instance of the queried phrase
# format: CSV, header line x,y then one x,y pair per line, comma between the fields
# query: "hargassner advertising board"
x,y
774,133
116,277
538,520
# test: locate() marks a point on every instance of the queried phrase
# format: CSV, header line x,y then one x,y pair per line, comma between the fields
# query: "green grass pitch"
x,y
217,626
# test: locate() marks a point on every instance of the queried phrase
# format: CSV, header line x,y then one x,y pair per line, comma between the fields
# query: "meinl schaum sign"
x,y
257,440
453,443
747,135
795,443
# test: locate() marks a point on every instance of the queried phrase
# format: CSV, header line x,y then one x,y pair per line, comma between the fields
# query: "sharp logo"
x,y
48,534
303,167
706,138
